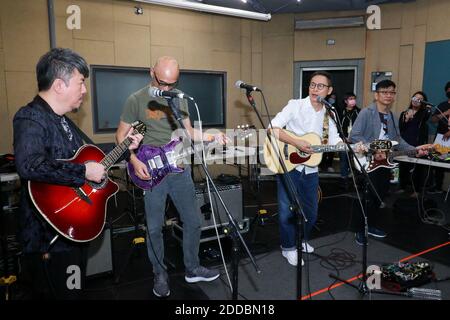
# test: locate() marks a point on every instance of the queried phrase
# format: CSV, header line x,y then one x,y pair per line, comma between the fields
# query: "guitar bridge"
x,y
285,151
82,195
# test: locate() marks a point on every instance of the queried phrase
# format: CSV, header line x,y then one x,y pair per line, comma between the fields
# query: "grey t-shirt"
x,y
155,113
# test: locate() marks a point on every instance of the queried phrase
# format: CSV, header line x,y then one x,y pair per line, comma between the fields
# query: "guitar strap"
x,y
83,135
86,139
326,124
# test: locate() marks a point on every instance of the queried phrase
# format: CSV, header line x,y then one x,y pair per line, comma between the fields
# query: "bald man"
x,y
160,121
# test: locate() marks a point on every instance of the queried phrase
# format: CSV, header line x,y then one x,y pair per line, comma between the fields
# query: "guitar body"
x,y
163,160
159,161
290,155
64,209
370,164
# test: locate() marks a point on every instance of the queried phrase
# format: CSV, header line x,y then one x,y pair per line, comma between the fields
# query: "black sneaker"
x,y
359,238
161,285
201,274
377,233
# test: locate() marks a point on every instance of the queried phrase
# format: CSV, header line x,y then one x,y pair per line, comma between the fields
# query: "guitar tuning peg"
x,y
238,126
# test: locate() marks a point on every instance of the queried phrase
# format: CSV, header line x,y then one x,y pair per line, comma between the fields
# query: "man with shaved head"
x,y
160,121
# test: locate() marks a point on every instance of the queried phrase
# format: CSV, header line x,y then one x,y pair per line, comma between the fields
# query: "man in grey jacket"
x,y
377,122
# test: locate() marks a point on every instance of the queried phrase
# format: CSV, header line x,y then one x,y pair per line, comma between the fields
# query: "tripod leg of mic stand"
x,y
235,267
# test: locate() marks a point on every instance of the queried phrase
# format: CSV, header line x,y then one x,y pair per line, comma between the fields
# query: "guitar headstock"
x,y
139,127
381,145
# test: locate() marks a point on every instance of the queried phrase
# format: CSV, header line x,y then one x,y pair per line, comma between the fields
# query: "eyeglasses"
x,y
385,93
319,86
165,84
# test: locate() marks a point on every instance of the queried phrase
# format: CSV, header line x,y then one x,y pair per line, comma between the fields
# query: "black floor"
x,y
130,276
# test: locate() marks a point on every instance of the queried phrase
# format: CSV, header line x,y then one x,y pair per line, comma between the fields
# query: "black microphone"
x,y
248,87
325,103
155,92
414,99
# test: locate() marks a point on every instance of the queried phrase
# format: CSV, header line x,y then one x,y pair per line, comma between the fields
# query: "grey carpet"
x,y
277,281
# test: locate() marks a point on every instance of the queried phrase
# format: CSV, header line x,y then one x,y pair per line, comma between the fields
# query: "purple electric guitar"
x,y
162,160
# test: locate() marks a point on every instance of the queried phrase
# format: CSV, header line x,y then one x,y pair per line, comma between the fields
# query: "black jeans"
x,y
381,181
416,177
48,278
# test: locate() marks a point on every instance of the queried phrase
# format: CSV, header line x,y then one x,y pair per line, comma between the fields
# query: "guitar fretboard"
x,y
329,148
115,154
408,153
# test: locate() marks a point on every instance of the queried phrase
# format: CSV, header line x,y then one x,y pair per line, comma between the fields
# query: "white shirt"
x,y
300,117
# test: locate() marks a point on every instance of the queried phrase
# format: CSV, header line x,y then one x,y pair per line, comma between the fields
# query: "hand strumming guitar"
x,y
303,146
140,169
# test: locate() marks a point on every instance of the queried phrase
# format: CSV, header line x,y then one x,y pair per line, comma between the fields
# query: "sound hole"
x,y
95,185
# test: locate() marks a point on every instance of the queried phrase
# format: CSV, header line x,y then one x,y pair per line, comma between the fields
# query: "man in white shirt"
x,y
302,116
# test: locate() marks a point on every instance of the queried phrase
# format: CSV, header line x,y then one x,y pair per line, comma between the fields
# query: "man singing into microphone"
x,y
160,121
303,116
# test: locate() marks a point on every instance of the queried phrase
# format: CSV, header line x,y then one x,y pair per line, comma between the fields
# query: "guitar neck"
x,y
199,147
329,148
115,153
403,153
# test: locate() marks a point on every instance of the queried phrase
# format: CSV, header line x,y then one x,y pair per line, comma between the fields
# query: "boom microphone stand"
x,y
363,289
236,237
295,205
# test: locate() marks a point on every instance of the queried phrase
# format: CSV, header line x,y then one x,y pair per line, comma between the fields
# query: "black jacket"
x,y
348,118
415,131
39,140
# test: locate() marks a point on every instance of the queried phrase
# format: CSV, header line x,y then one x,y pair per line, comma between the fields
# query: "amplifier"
x,y
232,197
100,259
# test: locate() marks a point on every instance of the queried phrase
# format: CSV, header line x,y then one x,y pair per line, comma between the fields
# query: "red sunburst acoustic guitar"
x,y
79,214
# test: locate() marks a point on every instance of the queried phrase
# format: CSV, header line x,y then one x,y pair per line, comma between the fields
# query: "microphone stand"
x,y
295,206
233,229
363,288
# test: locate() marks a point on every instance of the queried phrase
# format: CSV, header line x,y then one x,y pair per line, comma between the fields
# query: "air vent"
x,y
345,22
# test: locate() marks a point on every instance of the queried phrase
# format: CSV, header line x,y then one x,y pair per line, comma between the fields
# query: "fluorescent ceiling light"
x,y
183,4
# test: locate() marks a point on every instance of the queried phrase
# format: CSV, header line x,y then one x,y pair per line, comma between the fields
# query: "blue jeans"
x,y
306,187
344,165
181,189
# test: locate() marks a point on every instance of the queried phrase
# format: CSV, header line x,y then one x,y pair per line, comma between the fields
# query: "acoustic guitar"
x,y
79,214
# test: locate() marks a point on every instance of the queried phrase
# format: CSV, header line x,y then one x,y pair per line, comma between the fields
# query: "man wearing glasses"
x,y
302,116
160,122
377,122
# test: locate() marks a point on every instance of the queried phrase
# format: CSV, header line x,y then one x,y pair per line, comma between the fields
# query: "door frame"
x,y
350,64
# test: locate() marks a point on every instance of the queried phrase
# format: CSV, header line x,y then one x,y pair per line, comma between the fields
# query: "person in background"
x,y
326,164
347,116
441,117
414,130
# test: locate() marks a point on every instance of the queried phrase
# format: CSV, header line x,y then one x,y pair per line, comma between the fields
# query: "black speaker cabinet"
x,y
232,197
100,259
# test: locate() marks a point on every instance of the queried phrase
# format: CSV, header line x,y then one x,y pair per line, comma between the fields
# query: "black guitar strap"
x,y
83,135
